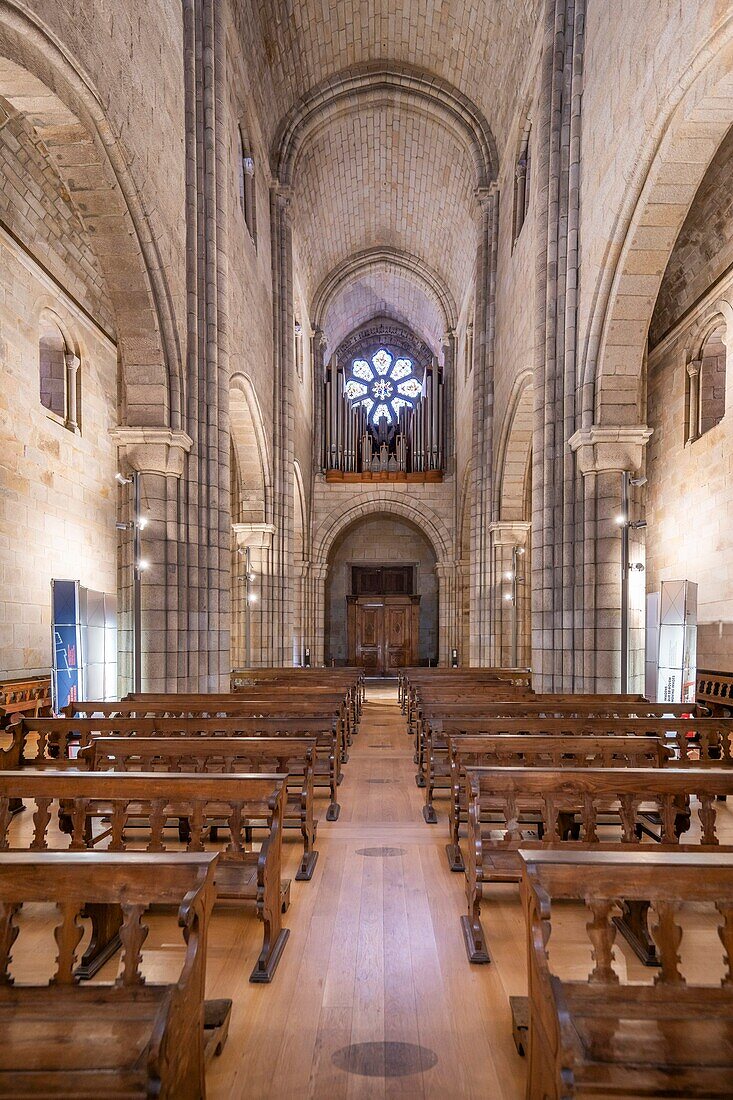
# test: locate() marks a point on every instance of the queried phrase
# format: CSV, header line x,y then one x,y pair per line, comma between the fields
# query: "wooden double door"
x,y
383,632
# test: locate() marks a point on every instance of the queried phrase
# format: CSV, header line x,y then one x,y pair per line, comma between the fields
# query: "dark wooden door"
x,y
383,632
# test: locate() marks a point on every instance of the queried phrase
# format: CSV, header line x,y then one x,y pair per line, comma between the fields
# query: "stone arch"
x,y
515,451
39,79
686,137
249,443
422,517
374,260
355,88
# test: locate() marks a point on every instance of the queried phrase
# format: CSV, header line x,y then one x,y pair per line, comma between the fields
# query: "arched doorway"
x,y
406,558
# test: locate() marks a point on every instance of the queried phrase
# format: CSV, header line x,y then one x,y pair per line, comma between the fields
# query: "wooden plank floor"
x,y
375,956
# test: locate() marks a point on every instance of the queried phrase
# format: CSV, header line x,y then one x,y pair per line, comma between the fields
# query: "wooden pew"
x,y
229,706
571,803
325,730
715,690
51,741
410,678
293,756
119,802
697,740
526,751
30,697
606,1034
132,1037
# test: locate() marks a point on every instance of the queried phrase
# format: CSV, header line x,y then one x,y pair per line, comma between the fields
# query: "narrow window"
x,y
522,181
58,369
712,379
247,186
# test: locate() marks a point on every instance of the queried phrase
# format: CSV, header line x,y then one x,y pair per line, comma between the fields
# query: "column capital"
x,y
510,532
151,450
484,195
602,449
253,535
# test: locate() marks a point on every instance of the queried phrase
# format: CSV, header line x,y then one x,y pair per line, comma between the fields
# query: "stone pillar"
x,y
482,428
158,455
281,643
257,538
505,536
319,572
72,381
557,490
604,455
693,389
463,600
449,374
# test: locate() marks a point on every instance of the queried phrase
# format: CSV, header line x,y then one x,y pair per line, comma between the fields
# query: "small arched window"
x,y
522,180
58,370
706,384
247,186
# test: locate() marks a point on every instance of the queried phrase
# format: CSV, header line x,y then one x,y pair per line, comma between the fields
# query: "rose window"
x,y
382,387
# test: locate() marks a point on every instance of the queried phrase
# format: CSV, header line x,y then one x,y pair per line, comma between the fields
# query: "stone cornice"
x,y
510,532
151,450
602,449
254,535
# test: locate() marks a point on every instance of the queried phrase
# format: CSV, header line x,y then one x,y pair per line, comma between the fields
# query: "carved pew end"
x,y
520,1023
333,811
475,941
267,962
455,857
216,1026
307,867
428,812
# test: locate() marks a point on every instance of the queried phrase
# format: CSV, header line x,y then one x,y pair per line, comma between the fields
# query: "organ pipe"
x,y
434,406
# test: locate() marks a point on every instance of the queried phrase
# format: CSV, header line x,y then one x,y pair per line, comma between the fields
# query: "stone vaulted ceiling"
x,y
383,170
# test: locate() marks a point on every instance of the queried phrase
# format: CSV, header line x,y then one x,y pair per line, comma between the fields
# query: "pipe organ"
x,y
414,443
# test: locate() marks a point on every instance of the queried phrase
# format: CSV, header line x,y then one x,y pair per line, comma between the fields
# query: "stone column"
x,y
449,374
604,455
158,456
319,572
283,450
257,538
482,429
693,422
505,535
72,380
463,600
318,351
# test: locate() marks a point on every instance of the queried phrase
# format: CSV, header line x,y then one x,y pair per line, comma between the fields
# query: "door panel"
x,y
369,630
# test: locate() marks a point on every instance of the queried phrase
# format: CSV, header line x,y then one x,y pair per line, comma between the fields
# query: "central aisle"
x,y
374,979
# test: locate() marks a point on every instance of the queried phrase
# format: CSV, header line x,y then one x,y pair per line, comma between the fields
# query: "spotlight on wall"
x,y
143,564
520,549
508,597
122,526
122,480
509,576
142,522
637,480
252,597
251,577
621,519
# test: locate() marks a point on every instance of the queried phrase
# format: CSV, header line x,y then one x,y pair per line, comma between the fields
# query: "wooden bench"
x,y
293,756
572,804
607,1034
715,690
31,697
409,679
524,750
114,804
133,1037
695,739
325,730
